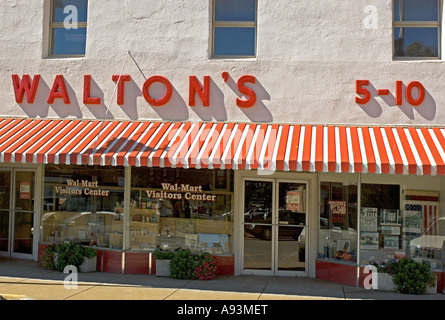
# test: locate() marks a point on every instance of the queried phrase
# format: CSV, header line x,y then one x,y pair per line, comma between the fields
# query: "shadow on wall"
x,y
427,109
40,106
216,110
176,109
258,112
100,111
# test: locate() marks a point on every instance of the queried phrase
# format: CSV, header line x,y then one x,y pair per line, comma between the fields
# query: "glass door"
x,y
291,245
274,227
23,212
5,213
258,199
16,212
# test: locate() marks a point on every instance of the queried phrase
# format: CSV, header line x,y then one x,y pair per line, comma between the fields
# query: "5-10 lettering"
x,y
410,96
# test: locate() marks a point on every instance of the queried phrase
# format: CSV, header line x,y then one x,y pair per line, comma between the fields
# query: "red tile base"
x,y
336,272
138,263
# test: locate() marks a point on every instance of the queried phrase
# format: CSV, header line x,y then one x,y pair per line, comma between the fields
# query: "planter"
x,y
163,268
432,289
385,283
88,265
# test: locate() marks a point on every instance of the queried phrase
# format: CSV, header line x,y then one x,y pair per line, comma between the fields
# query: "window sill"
x,y
234,58
62,57
414,59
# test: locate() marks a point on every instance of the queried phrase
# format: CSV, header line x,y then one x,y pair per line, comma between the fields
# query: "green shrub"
x,y
409,276
89,252
67,254
47,258
160,254
182,265
412,277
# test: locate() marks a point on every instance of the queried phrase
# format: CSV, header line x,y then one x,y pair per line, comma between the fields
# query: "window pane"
x,y
181,208
234,10
381,237
337,234
69,41
234,41
60,5
83,204
416,10
416,42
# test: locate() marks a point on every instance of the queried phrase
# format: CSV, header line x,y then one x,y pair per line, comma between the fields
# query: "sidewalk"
x,y
26,280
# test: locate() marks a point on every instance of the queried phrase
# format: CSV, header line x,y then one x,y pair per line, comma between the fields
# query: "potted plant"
x,y
48,259
64,254
406,276
163,259
68,254
182,265
89,263
206,266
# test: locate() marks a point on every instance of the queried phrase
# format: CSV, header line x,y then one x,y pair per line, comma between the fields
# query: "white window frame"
x,y
234,24
420,24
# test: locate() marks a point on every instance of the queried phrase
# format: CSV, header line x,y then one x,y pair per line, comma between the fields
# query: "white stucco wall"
x,y
309,54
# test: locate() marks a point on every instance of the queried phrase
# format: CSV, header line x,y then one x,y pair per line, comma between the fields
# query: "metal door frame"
x,y
12,210
274,225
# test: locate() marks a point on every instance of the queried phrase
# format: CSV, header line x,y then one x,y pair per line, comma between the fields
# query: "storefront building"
x,y
249,129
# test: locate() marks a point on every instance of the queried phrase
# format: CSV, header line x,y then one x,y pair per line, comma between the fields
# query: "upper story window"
x,y
234,28
417,29
68,27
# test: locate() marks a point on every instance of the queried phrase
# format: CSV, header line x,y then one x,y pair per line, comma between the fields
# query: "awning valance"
x,y
324,148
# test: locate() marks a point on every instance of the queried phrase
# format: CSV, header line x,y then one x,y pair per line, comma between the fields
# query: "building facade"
x,y
285,138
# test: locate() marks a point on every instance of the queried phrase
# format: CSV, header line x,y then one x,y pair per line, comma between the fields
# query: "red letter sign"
x,y
203,93
121,79
359,90
247,91
59,83
408,93
165,98
86,91
20,87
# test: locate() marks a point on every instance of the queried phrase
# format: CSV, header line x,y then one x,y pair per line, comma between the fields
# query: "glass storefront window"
x,y
423,228
187,208
380,223
394,227
337,236
83,204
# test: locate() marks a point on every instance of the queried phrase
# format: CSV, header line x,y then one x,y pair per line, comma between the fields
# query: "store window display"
x,y
399,224
181,208
337,236
381,237
83,204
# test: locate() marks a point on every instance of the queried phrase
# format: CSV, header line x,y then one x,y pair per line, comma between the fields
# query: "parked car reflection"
x,y
291,224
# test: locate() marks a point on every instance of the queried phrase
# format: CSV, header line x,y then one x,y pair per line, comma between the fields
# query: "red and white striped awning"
x,y
323,148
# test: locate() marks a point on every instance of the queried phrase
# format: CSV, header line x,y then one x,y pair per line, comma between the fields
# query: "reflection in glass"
x,y
181,208
24,212
416,10
416,42
236,41
23,222
59,6
291,222
258,225
337,235
4,230
69,41
234,10
5,191
83,204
